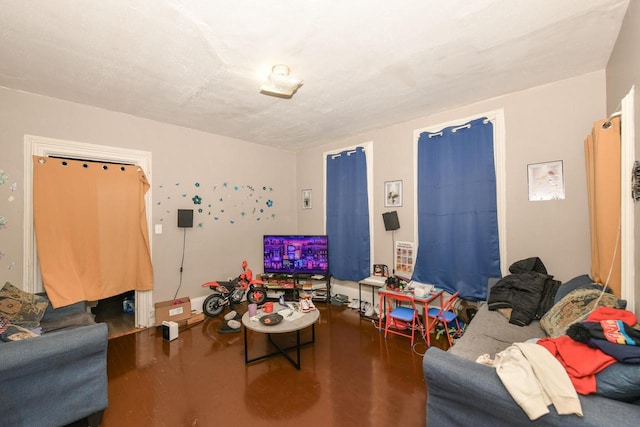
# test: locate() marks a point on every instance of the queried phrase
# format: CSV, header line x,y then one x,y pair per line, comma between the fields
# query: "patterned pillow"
x,y
574,307
17,333
21,308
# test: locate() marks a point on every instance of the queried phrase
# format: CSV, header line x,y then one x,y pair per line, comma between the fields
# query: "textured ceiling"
x,y
366,64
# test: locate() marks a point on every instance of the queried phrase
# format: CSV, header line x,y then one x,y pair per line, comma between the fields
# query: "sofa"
x,y
59,377
462,392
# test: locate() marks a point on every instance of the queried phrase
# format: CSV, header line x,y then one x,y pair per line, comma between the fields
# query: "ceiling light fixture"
x,y
280,83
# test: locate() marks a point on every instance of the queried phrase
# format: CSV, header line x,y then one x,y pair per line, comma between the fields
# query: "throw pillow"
x,y
620,381
578,282
21,308
17,333
574,307
4,324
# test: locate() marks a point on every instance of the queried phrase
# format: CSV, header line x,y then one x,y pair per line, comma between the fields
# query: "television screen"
x,y
296,254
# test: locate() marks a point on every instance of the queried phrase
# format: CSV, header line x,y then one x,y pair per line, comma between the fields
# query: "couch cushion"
x,y
489,333
620,381
21,308
578,282
72,321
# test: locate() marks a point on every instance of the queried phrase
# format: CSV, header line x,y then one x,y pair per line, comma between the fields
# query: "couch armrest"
x,y
461,392
54,379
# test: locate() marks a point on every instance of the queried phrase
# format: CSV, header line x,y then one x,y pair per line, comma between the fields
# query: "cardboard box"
x,y
196,317
173,311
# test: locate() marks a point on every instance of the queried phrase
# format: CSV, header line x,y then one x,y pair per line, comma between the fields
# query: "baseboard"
x,y
196,303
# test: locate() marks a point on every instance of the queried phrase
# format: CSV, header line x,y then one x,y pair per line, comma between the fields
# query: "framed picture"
x,y
546,181
306,199
392,193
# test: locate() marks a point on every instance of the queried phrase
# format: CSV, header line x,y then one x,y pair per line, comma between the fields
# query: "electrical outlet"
x,y
158,228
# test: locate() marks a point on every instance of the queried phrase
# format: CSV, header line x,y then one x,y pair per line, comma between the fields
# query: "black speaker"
x,y
391,220
185,218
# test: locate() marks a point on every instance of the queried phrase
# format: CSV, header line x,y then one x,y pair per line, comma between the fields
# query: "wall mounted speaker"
x,y
391,220
185,218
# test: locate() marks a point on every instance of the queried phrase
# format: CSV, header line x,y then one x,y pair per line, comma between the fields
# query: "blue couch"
x,y
461,392
57,378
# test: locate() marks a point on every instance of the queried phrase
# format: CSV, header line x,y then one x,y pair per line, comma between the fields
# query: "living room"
x,y
543,122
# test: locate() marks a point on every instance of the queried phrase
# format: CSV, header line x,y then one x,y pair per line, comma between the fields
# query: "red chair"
x,y
446,315
401,320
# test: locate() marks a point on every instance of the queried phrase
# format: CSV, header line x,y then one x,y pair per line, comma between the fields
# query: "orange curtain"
x,y
602,154
91,229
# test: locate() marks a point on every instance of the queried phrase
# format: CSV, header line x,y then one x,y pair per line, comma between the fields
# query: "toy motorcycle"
x,y
231,292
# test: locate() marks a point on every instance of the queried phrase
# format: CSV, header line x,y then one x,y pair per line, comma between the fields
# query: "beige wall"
x,y
545,123
181,158
623,72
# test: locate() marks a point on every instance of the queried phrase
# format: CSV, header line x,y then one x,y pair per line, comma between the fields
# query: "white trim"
x,y
499,155
42,146
627,216
368,150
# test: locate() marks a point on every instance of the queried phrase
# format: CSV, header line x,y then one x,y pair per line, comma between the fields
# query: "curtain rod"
x,y
349,152
456,128
607,123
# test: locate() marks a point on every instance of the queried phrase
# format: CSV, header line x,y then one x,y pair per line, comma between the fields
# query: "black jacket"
x,y
528,291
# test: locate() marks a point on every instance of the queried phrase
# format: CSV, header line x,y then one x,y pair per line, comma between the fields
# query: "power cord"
x,y
413,347
184,243
606,283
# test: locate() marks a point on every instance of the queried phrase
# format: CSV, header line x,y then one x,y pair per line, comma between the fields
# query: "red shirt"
x,y
581,362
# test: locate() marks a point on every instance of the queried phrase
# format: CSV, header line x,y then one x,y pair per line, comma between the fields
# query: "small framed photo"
x,y
392,193
306,199
546,181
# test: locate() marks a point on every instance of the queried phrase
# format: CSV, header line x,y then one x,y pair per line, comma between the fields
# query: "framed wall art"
x,y
546,181
392,193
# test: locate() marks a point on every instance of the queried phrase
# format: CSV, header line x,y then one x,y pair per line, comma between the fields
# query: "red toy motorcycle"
x,y
231,292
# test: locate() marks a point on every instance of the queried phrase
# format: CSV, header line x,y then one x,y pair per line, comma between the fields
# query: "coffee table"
x,y
306,320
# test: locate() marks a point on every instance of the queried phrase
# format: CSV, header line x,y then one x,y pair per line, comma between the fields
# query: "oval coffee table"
x,y
306,320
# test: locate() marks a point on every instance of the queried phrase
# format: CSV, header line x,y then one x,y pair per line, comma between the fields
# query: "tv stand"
x,y
318,285
292,284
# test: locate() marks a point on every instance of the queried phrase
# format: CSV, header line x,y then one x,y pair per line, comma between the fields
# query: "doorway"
x,y
48,147
118,312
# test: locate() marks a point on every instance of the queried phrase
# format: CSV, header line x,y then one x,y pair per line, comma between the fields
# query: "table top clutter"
x,y
432,295
292,320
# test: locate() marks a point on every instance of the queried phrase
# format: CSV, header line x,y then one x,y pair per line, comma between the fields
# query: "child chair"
x,y
400,320
445,315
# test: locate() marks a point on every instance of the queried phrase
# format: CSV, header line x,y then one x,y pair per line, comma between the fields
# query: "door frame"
x,y
43,146
627,208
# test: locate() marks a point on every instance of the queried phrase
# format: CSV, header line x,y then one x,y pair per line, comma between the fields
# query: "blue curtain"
x,y
458,246
348,215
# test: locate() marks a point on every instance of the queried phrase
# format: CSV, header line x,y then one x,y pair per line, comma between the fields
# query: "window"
x,y
458,207
347,213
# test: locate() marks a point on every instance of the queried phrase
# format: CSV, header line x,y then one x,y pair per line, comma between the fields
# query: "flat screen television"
x,y
293,254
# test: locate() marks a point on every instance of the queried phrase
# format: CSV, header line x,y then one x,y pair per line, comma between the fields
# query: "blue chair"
x,y
446,316
401,320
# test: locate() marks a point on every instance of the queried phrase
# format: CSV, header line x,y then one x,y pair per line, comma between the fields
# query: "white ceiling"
x,y
366,64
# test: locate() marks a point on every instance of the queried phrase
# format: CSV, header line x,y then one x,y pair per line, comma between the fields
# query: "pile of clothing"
x,y
527,292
